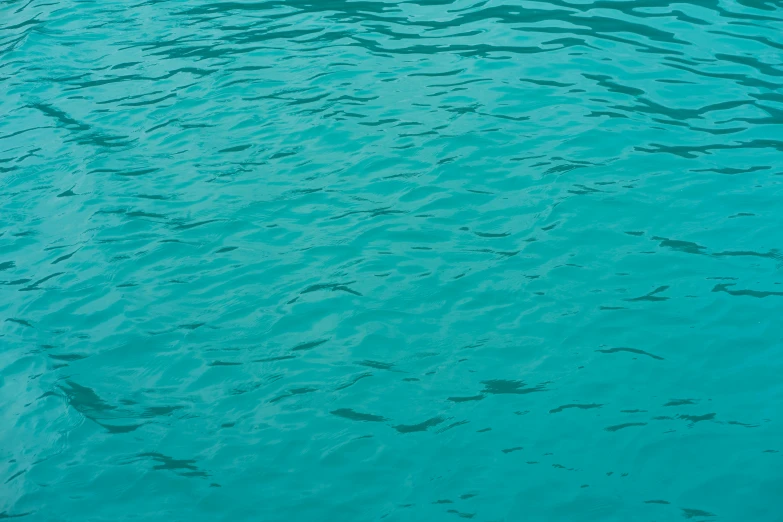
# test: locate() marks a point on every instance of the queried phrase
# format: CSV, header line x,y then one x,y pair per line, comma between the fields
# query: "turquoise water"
x,y
429,260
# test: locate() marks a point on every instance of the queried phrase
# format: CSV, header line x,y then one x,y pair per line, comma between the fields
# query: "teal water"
x,y
377,260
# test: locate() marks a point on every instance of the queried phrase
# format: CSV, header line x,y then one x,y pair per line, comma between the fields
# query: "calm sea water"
x,y
359,260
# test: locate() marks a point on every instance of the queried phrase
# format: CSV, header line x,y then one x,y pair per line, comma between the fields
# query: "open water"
x,y
300,260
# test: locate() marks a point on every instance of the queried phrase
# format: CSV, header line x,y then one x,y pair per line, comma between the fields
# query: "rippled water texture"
x,y
348,261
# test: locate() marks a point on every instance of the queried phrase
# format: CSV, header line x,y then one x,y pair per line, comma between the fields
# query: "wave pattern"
x,y
363,260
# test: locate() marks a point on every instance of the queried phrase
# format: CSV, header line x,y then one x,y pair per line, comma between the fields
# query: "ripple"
x,y
327,254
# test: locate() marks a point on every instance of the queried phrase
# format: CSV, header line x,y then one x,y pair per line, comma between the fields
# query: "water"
x,y
328,260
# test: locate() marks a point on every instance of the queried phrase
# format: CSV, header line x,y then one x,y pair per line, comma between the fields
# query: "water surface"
x,y
429,260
